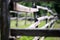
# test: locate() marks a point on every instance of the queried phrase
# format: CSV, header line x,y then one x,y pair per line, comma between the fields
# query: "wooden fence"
x,y
45,31
49,25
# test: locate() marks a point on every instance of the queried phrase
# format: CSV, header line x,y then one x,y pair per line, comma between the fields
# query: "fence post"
x,y
47,19
5,20
51,25
47,22
12,7
35,13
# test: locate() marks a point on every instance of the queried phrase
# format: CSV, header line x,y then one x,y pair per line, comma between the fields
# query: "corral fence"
x,y
33,30
49,21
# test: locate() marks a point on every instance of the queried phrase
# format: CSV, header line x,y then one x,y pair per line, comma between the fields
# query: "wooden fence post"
x,y
47,22
5,20
35,13
47,19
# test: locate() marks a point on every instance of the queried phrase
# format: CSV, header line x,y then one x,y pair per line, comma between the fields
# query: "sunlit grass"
x,y
42,23
25,38
21,24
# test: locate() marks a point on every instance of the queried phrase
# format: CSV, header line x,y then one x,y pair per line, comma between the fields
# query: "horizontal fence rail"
x,y
22,8
36,32
45,8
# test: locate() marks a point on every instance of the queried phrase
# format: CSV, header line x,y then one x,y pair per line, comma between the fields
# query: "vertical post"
x,y
47,19
25,19
47,22
5,20
39,12
17,17
35,13
52,24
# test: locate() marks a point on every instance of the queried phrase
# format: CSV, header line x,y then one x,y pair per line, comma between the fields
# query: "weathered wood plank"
x,y
22,8
36,32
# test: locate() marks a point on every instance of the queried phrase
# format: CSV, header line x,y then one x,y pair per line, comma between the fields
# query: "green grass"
x,y
25,38
57,24
21,24
42,23
49,38
52,38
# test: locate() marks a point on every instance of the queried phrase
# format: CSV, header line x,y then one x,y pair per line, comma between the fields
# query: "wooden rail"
x,y
36,32
45,8
22,8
